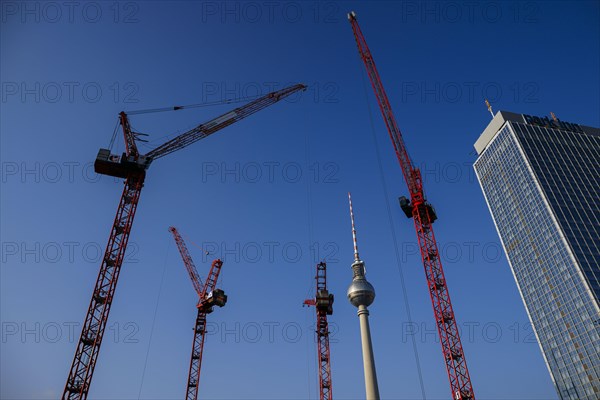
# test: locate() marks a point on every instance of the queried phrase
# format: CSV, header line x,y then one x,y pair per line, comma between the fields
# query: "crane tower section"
x,y
323,302
423,215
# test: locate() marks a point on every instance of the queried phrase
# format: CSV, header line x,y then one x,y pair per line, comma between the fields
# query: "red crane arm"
x,y
423,216
384,104
187,261
216,124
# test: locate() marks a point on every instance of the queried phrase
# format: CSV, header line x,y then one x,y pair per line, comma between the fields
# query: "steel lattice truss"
x,y
196,359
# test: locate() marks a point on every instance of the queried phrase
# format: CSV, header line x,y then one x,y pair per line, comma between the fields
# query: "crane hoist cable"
x,y
149,144
197,105
114,135
160,288
222,274
188,240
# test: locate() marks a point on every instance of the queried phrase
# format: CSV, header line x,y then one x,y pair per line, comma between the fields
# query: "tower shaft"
x,y
371,387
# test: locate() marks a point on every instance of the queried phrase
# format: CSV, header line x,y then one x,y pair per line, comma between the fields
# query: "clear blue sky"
x,y
66,72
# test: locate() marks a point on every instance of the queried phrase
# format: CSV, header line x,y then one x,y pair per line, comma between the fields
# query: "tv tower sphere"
x,y
360,291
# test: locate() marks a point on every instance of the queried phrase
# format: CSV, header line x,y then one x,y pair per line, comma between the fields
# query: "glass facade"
x,y
542,186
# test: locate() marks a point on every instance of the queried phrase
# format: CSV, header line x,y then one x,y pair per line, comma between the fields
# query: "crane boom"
x,y
212,126
132,167
187,260
323,302
384,104
423,215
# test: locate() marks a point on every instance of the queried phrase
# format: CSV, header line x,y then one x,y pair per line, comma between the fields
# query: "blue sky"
x,y
268,194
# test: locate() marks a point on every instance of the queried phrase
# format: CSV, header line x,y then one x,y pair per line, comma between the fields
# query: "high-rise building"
x,y
541,181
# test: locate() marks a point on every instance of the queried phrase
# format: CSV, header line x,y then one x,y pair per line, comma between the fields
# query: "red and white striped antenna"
x,y
356,258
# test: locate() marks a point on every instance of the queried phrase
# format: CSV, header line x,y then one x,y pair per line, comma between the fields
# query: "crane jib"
x,y
121,166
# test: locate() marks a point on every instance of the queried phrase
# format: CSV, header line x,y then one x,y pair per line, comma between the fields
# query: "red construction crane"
x,y
424,215
208,298
323,303
132,167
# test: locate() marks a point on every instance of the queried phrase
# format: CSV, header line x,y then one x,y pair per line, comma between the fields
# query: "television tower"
x,y
361,294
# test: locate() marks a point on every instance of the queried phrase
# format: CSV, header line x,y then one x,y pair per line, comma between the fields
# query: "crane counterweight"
x,y
215,298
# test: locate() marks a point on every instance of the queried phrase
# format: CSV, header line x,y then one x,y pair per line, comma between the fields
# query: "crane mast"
x,y
88,347
132,167
423,215
323,303
209,297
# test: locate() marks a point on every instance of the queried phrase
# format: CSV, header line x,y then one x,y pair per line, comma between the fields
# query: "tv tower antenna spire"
x,y
361,294
356,257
